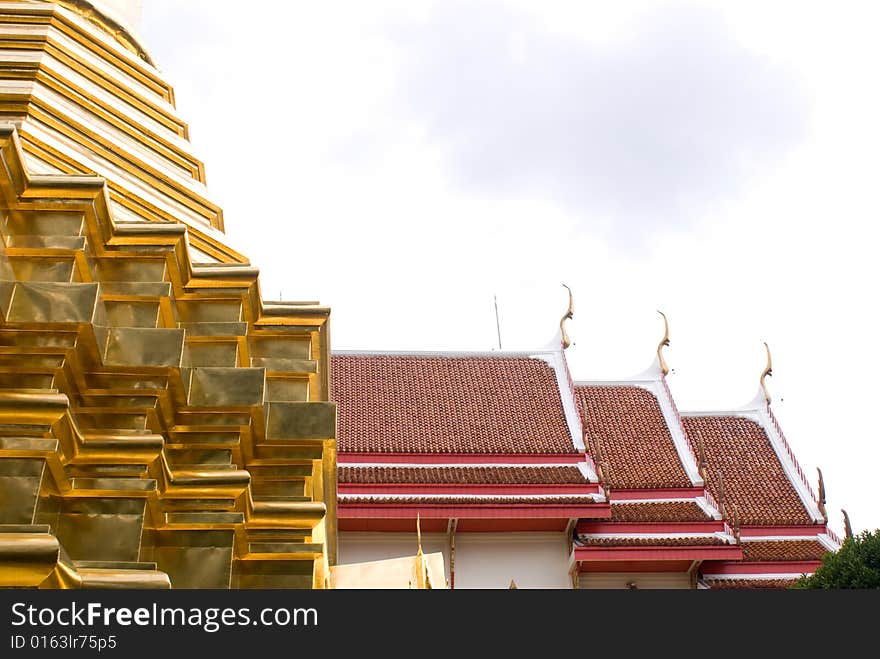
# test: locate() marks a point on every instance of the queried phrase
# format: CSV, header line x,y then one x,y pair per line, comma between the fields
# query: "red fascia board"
x,y
636,566
470,511
441,525
760,567
663,493
523,524
459,458
451,488
695,553
754,531
589,526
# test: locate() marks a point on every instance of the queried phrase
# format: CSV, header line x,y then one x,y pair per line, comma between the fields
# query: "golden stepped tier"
x,y
160,425
84,104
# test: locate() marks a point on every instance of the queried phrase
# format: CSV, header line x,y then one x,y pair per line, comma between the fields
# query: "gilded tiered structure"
x,y
160,424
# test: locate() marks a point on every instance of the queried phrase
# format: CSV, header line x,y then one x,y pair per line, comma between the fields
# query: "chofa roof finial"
x,y
821,501
722,499
703,467
566,342
768,370
605,477
603,469
663,343
847,527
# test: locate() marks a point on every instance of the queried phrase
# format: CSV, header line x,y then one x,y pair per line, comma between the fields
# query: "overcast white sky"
x,y
406,161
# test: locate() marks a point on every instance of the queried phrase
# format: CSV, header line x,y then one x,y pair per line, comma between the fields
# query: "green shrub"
x,y
855,565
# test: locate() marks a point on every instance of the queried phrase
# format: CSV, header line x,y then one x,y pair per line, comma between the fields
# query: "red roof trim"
x,y
459,458
621,528
452,488
697,553
441,525
761,567
471,511
635,566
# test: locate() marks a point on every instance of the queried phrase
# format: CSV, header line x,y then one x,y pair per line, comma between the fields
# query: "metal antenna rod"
x,y
497,322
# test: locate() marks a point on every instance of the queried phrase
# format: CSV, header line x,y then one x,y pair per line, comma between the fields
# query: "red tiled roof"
x,y
634,439
783,550
753,477
675,511
465,499
749,583
623,541
556,475
437,404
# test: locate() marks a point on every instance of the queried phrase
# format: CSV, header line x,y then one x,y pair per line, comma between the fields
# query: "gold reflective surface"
x,y
160,425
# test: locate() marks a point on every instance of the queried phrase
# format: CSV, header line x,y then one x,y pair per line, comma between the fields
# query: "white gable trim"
x,y
556,360
587,471
708,508
828,542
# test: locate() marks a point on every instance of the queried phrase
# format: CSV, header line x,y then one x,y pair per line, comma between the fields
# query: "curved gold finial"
x,y
663,343
821,500
847,527
419,532
566,342
768,370
512,586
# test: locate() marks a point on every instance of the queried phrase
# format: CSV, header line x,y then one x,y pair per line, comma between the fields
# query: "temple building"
x,y
523,475
161,425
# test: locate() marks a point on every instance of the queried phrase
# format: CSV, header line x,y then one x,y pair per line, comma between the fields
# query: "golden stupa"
x,y
161,423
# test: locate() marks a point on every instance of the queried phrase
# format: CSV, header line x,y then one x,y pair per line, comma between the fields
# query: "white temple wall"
x,y
642,580
482,560
491,560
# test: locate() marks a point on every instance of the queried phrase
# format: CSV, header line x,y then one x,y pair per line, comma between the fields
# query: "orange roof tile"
x,y
724,584
623,541
628,425
667,511
555,475
783,550
754,480
440,404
